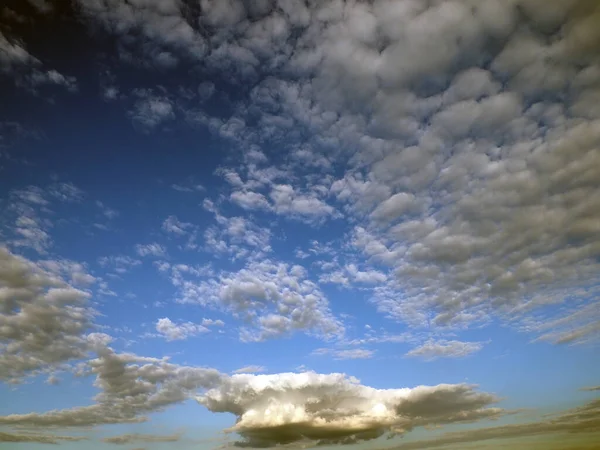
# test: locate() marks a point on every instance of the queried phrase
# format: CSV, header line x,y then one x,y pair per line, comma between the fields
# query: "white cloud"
x,y
286,201
341,354
153,249
178,331
250,200
238,237
432,350
250,369
173,225
213,322
120,263
272,299
334,409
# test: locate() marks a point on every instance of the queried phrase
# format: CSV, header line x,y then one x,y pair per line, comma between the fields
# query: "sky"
x,y
287,223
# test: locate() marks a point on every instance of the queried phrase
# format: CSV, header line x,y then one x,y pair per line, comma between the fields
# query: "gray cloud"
x,y
591,388
26,69
151,110
130,386
583,419
42,319
38,438
126,439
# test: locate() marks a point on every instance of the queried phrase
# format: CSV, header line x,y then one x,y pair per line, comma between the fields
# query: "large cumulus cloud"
x,y
334,408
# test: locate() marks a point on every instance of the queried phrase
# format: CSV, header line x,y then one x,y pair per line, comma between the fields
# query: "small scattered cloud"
x,y
251,369
432,349
172,331
153,250
341,354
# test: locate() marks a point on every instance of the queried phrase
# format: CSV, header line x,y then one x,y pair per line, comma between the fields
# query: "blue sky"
x,y
294,224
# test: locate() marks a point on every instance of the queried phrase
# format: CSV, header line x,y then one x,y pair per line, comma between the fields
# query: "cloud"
x,y
127,439
153,249
286,201
52,77
38,438
591,388
329,409
582,419
26,69
272,299
341,354
130,387
42,319
250,200
75,272
250,369
107,212
213,322
120,263
452,155
239,237
178,331
151,110
432,350
174,226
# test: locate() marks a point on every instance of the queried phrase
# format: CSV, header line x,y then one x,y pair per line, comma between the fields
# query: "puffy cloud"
x,y
239,237
287,201
178,331
174,226
213,322
272,299
292,407
250,200
393,207
75,272
151,110
431,350
42,319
